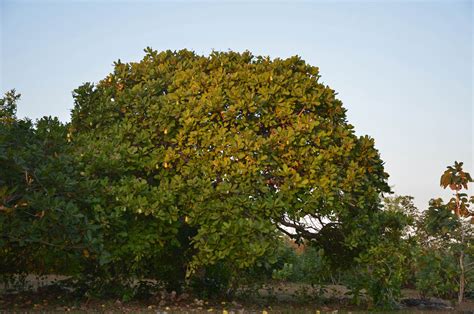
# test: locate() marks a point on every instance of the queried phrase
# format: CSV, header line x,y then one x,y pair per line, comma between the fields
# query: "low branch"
x,y
299,229
285,232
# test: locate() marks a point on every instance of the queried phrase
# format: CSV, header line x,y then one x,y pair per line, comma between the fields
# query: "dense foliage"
x,y
231,147
43,226
197,172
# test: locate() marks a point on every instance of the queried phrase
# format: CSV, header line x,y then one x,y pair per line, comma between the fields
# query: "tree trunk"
x,y
461,266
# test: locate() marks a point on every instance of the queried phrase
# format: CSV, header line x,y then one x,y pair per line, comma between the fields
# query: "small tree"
x,y
44,227
457,180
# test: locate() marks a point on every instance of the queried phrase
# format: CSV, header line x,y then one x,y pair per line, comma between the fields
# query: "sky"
x,y
403,69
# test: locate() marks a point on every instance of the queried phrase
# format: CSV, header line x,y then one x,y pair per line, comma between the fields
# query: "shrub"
x,y
436,274
44,227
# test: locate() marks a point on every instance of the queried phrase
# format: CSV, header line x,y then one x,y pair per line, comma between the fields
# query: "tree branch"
x,y
299,229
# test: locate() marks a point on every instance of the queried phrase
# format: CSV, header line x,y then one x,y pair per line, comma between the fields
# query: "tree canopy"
x,y
231,148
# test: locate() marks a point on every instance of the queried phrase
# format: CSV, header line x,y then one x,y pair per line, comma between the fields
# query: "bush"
x,y
380,272
310,267
436,274
44,225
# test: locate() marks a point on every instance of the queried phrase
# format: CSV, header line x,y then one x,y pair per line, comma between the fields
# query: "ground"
x,y
277,297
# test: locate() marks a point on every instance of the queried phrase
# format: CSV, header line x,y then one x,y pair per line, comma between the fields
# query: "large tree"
x,y
230,148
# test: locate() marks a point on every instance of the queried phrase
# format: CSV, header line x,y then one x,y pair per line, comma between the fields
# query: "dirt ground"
x,y
272,298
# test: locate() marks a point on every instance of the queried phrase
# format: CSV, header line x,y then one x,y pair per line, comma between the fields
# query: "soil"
x,y
272,298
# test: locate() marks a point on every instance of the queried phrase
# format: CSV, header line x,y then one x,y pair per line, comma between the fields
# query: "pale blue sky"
x,y
402,68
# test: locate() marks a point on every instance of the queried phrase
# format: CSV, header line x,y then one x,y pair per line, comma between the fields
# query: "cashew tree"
x,y
230,150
